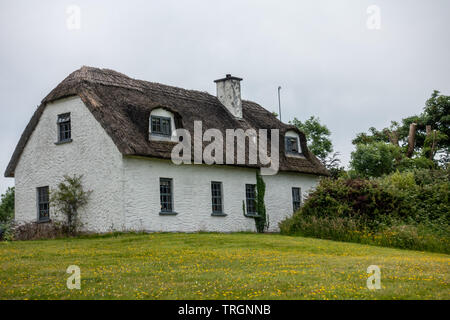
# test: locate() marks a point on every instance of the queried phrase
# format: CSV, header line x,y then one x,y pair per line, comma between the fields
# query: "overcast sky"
x,y
323,54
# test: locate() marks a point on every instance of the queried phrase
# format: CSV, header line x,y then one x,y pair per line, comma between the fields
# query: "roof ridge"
x,y
133,83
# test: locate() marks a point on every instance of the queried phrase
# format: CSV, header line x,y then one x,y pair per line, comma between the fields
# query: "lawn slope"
x,y
217,266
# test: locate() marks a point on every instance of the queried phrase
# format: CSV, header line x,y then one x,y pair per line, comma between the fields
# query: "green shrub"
x,y
408,210
353,198
68,198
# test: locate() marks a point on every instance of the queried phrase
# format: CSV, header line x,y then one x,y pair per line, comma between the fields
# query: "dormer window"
x,y
292,143
161,126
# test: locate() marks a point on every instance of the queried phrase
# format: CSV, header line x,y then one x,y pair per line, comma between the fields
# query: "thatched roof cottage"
x,y
119,133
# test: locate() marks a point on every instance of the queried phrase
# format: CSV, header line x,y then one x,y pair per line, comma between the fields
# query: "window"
x,y
291,145
165,189
43,204
161,126
216,197
250,196
296,198
64,129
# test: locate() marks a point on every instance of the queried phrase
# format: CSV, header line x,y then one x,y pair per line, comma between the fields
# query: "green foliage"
x,y
406,210
7,206
378,158
261,218
436,114
375,136
374,159
7,214
317,135
68,198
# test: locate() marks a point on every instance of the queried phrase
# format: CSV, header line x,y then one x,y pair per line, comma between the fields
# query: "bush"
x,y
351,230
352,198
67,199
406,210
39,231
7,230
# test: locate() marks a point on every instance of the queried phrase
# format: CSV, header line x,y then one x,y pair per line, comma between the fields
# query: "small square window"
x,y
43,204
250,197
161,126
216,197
166,198
64,128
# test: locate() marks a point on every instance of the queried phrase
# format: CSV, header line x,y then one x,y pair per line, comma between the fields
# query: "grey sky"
x,y
321,52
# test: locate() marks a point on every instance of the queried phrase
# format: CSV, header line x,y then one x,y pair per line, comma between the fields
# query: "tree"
x,y
68,198
436,117
333,164
374,136
374,159
317,136
418,136
7,206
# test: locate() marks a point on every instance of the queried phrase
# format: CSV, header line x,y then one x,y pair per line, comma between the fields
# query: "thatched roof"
x,y
122,106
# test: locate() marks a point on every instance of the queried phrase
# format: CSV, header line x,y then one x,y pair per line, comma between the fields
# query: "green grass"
x,y
217,266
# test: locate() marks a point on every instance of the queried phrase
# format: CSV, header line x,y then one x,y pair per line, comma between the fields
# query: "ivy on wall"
x,y
261,220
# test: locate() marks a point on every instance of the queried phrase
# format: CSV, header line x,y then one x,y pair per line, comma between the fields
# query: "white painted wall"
x,y
91,153
278,196
126,189
192,196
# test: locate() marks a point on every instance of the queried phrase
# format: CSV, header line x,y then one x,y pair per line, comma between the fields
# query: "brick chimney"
x,y
229,94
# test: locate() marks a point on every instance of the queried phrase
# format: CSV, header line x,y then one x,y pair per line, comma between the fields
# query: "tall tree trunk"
x,y
433,146
393,137
411,139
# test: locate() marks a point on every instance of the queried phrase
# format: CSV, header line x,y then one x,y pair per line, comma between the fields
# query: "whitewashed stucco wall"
x,y
278,196
92,153
192,196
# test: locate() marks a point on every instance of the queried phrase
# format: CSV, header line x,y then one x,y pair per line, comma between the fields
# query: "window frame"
x,y
249,200
161,131
219,197
296,202
288,142
43,203
64,123
169,194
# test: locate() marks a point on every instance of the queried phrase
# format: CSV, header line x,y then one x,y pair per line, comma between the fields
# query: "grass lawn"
x,y
217,266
